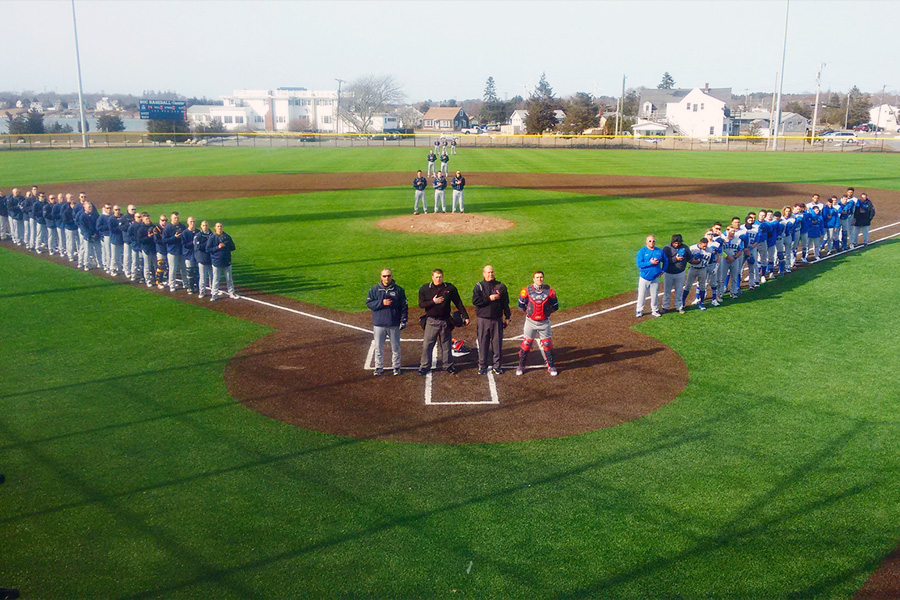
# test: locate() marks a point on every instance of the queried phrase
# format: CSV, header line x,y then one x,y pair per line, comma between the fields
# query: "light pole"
x,y
812,134
880,106
781,82
84,142
847,113
337,123
622,111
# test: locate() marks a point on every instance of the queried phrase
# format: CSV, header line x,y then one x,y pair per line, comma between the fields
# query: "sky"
x,y
212,47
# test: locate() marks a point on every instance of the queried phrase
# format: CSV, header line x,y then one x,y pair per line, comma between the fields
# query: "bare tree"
x,y
367,96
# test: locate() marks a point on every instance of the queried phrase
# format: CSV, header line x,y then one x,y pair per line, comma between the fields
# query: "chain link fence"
x,y
128,139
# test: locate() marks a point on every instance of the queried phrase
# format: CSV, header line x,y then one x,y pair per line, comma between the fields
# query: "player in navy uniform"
x,y
439,184
432,158
445,162
538,301
458,183
419,184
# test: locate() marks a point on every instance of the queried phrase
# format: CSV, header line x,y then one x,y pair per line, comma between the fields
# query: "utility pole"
x,y
812,132
781,83
847,114
880,106
622,110
84,142
337,122
772,111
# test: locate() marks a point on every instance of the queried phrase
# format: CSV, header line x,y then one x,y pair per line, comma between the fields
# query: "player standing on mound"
x,y
419,184
538,301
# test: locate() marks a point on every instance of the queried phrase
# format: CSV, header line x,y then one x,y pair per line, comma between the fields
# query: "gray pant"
x,y
431,169
439,197
71,243
647,288
205,283
437,331
458,197
420,197
52,239
382,333
490,342
176,263
217,273
5,230
106,252
116,253
673,282
149,267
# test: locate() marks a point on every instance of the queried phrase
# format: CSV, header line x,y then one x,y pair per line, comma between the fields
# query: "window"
x,y
229,119
326,119
239,119
712,131
695,108
280,120
258,119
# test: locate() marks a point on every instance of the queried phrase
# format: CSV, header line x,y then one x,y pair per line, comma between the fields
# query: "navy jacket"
x,y
172,237
145,240
200,253
68,217
187,243
387,316
12,207
37,211
157,234
220,257
863,214
103,225
48,214
87,225
131,233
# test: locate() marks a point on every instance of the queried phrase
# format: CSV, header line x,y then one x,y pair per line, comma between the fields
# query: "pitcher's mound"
x,y
445,223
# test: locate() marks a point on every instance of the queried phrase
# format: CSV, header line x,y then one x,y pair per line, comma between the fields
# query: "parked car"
x,y
839,137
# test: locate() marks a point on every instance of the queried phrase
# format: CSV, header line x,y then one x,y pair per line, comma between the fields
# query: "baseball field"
x,y
159,446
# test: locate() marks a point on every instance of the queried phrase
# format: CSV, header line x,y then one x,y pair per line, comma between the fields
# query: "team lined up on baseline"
x,y
769,245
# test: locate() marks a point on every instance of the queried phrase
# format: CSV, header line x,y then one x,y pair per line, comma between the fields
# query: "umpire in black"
x,y
436,297
491,300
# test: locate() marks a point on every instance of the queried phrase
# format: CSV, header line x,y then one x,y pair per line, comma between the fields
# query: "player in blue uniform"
x,y
816,231
732,253
700,258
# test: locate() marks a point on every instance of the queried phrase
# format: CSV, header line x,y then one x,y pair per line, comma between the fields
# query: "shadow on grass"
x,y
748,522
282,280
79,288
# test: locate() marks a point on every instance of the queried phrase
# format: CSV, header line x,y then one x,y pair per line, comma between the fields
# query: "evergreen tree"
x,y
110,123
35,121
667,82
490,91
541,107
581,114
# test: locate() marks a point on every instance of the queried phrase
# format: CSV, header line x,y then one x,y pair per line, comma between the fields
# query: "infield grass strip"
x,y
324,248
832,169
132,473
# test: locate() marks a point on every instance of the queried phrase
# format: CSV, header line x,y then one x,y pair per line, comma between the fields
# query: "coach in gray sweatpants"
x,y
678,255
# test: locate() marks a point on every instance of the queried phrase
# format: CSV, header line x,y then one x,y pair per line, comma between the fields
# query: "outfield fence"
x,y
138,139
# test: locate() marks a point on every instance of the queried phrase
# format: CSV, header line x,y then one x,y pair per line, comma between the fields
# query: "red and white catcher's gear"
x,y
547,345
538,304
526,345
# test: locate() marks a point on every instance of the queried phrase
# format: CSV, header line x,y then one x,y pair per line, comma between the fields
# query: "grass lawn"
x,y
132,473
861,170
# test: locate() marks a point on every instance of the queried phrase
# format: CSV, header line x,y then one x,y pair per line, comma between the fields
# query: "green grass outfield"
x,y
131,471
862,170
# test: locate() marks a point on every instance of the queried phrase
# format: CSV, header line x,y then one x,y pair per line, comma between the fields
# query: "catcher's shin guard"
x,y
524,349
547,349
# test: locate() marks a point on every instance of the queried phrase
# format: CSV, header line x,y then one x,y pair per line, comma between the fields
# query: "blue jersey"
x,y
816,226
802,222
772,232
787,227
762,237
751,235
715,249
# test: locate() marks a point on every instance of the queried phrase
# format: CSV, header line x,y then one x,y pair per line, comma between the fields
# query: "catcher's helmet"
x,y
457,319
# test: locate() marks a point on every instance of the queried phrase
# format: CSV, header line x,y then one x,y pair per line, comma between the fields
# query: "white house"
x,y
107,105
886,116
699,115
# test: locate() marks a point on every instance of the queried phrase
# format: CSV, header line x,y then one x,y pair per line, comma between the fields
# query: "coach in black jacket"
x,y
491,300
436,297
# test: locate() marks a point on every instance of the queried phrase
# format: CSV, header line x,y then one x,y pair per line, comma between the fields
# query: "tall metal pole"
x,y
781,82
772,111
337,123
880,106
622,111
84,142
812,131
847,113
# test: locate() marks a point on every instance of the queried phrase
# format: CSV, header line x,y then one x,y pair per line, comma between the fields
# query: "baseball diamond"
x,y
610,373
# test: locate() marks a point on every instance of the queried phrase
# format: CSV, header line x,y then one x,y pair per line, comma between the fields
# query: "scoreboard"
x,y
164,110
